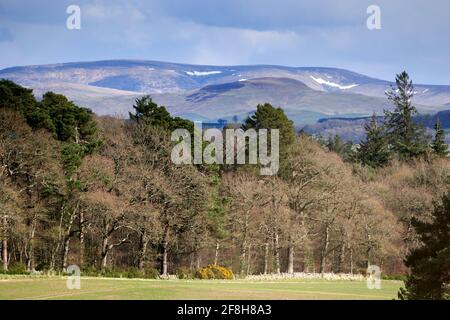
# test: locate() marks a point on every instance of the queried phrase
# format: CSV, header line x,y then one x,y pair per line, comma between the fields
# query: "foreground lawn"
x,y
102,288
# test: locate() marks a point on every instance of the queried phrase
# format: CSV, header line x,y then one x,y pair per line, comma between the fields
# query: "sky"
x,y
414,34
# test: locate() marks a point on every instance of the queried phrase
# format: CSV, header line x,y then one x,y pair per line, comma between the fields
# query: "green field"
x,y
103,288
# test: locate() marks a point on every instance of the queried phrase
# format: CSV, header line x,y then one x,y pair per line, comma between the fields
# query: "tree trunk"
x,y
5,245
104,252
277,253
5,253
67,236
198,260
351,260
143,251
248,260
66,252
290,268
369,250
244,245
216,254
164,252
30,260
242,259
323,256
266,258
81,237
341,258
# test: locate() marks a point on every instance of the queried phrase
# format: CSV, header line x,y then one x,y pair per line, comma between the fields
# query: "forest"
x,y
103,193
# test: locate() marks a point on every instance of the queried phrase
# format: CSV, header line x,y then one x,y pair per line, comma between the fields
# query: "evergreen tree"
x,y
148,112
408,139
268,117
336,144
69,122
16,97
341,147
439,146
374,151
430,264
65,120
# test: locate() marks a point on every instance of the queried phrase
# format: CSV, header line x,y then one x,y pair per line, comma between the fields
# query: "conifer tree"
x,y
430,264
407,138
374,151
148,112
439,146
269,117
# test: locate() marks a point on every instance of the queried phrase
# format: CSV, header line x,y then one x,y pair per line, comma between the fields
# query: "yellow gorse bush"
x,y
214,272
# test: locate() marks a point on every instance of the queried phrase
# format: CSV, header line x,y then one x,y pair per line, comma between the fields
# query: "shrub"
x,y
204,273
214,272
393,277
90,271
151,273
185,273
133,273
221,272
16,268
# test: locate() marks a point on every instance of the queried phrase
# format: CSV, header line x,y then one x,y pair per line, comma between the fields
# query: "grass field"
x,y
104,288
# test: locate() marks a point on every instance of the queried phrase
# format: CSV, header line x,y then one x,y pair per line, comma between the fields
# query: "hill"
x,y
202,91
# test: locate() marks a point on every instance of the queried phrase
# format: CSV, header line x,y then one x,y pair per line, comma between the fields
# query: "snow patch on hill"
x,y
332,84
202,73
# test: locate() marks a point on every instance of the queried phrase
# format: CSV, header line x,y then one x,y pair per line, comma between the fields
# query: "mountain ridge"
x,y
110,87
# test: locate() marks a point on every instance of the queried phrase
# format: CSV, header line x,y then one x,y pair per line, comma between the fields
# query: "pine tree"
x,y
374,151
148,112
268,117
408,139
336,144
430,264
439,146
341,147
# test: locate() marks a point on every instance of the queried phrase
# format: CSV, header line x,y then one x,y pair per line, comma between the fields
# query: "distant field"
x,y
101,288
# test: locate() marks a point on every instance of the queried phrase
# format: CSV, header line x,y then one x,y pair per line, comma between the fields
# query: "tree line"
x,y
102,193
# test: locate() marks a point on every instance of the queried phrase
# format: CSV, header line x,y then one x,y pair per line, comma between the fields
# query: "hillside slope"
x,y
201,91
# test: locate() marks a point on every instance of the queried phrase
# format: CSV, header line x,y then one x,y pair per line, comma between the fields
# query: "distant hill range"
x,y
209,93
352,129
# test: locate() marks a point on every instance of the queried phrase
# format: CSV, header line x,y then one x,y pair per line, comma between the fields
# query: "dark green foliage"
x,y
439,146
15,268
374,151
16,97
65,120
408,139
342,148
217,215
148,112
72,155
268,117
430,264
70,123
185,273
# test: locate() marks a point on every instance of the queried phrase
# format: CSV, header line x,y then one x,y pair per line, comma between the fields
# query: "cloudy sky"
x,y
414,34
